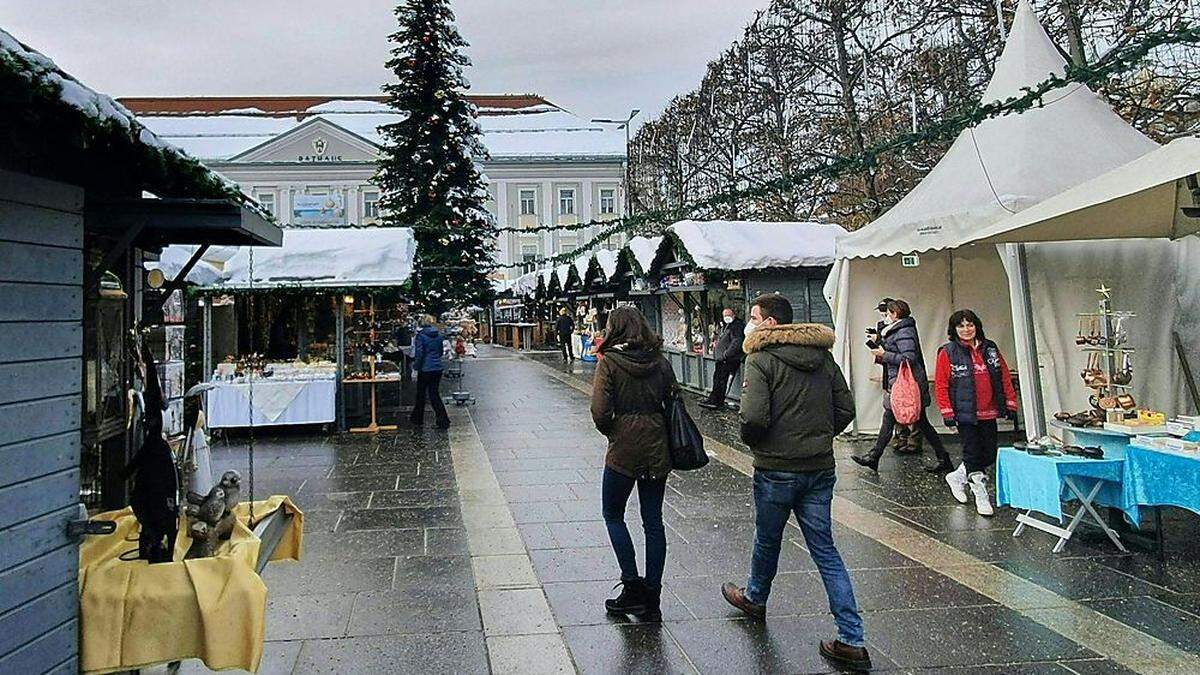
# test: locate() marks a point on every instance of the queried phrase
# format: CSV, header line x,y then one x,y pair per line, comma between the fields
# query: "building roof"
x,y
516,127
299,106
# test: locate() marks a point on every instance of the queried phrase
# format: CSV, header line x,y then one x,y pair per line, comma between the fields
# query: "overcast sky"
x,y
597,57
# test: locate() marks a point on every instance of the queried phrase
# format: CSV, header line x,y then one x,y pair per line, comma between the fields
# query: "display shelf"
x,y
1103,350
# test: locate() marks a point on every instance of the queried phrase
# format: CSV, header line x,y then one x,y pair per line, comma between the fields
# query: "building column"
x,y
353,206
549,217
504,252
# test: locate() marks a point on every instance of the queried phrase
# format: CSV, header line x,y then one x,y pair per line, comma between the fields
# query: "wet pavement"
x,y
483,549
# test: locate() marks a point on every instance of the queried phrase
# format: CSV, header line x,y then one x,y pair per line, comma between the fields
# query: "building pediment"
x,y
316,141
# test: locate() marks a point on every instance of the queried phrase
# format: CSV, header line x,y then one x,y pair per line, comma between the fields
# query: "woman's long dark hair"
x,y
626,326
968,316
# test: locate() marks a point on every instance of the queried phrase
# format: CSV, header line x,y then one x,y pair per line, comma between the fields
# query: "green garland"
x,y
1115,63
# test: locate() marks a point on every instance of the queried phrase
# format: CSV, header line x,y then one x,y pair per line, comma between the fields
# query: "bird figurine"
x,y
213,508
231,483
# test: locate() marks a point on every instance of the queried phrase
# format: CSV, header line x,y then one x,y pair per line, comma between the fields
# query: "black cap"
x,y
882,306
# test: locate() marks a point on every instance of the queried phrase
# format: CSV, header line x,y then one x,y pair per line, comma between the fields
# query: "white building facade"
x,y
310,161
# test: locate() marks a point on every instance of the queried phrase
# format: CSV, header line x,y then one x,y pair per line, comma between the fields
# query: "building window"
x,y
370,205
267,201
608,200
567,243
529,254
566,201
318,190
528,202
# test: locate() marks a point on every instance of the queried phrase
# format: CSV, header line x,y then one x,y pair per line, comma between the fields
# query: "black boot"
x,y
632,599
653,612
869,460
941,467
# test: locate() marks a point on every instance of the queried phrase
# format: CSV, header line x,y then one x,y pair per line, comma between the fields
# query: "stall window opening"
x,y
528,200
566,201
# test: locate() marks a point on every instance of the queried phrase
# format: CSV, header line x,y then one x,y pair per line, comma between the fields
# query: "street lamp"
x,y
624,124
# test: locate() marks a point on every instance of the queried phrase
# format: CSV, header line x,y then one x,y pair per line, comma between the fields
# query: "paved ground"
x,y
484,549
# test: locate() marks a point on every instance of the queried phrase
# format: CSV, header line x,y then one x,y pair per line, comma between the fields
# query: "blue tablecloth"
x,y
1161,478
1026,481
585,349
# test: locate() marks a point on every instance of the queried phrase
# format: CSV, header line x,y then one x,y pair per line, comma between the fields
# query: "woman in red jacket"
x,y
973,388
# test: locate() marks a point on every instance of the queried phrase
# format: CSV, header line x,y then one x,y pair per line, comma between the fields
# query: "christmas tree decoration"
x,y
427,173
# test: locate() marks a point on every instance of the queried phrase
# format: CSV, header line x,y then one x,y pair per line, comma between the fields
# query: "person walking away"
x,y
794,401
427,361
565,328
728,355
631,384
974,388
899,343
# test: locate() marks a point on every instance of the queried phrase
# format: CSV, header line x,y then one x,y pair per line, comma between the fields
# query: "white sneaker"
x,y
957,480
983,503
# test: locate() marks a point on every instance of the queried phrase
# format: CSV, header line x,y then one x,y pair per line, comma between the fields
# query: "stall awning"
x,y
155,223
744,245
326,258
1142,199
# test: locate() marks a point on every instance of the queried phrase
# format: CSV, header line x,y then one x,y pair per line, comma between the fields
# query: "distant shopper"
x,y
905,441
630,386
794,401
899,343
564,327
974,388
728,355
427,361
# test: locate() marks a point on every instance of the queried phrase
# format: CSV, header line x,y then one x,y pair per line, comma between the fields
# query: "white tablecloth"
x,y
276,403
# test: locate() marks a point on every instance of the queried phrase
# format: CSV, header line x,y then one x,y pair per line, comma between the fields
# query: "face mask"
x,y
728,319
750,326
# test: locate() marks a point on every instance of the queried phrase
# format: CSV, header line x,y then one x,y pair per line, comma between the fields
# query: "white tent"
x,y
991,171
326,257
742,245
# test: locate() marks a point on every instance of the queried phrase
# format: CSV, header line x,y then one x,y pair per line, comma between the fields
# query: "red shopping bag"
x,y
906,396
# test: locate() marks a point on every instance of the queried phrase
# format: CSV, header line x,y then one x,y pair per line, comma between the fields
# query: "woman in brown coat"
x,y
631,383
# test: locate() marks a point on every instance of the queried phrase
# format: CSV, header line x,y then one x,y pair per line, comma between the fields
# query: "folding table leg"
x,y
1090,510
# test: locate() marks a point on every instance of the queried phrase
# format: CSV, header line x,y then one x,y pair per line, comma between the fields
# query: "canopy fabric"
x,y
173,259
1007,163
742,245
1139,199
326,258
608,262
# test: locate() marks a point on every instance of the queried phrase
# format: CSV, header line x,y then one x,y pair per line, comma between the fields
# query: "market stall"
x,y
916,250
703,267
319,323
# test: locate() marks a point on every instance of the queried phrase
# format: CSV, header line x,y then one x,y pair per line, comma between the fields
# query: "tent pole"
x,y
340,346
1022,305
206,360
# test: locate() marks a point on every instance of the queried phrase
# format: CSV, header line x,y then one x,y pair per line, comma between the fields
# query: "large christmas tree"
x,y
426,173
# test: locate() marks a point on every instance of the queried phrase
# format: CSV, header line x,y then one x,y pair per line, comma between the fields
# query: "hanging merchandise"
x,y
154,497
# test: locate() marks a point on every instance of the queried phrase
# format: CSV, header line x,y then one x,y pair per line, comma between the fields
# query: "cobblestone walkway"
x,y
483,550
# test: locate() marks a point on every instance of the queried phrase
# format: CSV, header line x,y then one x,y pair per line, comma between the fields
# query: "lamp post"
x,y
624,124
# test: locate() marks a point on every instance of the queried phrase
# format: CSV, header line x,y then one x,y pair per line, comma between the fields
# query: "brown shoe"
x,y
854,658
736,596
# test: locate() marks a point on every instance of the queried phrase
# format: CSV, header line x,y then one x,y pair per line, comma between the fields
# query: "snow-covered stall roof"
x,y
644,249
327,258
744,245
1007,163
525,285
523,134
39,68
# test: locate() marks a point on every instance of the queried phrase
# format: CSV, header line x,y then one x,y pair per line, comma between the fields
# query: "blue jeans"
x,y
614,494
777,494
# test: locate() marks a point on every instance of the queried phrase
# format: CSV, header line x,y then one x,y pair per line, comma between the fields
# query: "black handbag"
x,y
684,441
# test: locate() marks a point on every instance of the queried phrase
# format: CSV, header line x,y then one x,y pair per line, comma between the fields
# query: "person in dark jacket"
x,y
728,355
905,440
794,402
564,327
631,384
899,343
427,361
974,388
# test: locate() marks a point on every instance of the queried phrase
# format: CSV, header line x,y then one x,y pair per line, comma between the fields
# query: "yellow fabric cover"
x,y
134,614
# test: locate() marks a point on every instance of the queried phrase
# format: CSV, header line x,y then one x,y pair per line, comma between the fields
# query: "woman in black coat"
x,y
898,343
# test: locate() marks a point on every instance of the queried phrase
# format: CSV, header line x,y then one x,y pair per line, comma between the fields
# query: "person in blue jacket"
x,y
427,361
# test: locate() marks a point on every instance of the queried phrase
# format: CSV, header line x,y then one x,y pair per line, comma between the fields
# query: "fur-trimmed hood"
x,y
804,334
800,345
